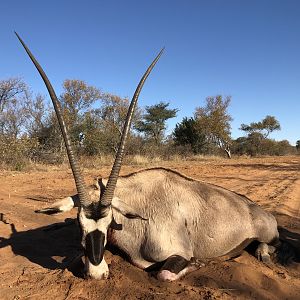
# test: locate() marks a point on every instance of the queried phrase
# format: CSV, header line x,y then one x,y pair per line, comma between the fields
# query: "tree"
x,y
76,98
37,111
13,118
112,113
265,127
256,144
154,120
10,89
250,145
187,133
13,102
257,141
16,144
95,136
214,121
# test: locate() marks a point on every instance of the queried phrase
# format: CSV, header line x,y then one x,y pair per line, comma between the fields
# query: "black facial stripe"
x,y
94,246
80,229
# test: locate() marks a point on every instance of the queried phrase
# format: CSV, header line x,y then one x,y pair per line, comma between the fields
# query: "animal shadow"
x,y
54,247
290,248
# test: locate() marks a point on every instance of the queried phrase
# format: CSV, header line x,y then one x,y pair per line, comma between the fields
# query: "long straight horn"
x,y
79,181
108,194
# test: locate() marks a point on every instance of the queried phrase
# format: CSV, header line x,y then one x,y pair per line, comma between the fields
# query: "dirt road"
x,y
38,263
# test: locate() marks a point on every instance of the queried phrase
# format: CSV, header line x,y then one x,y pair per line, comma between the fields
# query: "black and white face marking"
x,y
94,246
94,239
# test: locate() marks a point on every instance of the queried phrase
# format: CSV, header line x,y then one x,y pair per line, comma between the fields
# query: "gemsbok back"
x,y
158,215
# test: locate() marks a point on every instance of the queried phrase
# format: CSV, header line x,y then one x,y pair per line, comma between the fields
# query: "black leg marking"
x,y
177,266
48,211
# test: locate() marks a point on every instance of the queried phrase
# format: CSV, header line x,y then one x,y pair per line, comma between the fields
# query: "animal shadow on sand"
x,y
56,246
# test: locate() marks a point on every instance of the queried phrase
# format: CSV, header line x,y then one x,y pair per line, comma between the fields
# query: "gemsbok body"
x,y
158,215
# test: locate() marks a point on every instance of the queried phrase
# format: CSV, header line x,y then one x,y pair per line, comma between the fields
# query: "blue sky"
x,y
247,49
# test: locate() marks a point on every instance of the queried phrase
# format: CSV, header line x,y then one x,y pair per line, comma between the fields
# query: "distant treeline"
x,y
29,130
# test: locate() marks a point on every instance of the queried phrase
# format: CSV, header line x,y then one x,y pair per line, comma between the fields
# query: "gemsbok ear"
x,y
101,185
125,209
98,184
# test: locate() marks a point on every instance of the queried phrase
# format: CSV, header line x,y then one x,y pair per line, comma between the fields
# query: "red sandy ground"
x,y
38,264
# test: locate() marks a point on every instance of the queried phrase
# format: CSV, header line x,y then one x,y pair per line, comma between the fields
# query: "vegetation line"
x,y
29,133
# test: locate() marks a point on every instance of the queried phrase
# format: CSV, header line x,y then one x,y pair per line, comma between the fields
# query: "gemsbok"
x,y
158,215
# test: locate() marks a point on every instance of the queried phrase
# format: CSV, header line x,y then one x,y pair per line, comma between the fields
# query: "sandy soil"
x,y
37,259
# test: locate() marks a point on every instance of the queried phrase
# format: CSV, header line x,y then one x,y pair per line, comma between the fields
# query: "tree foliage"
x,y
265,127
10,89
96,140
76,98
29,129
13,94
214,121
21,111
153,124
187,133
18,119
255,144
113,111
111,116
78,95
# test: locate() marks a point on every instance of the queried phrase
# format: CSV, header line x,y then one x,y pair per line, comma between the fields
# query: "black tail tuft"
x,y
48,211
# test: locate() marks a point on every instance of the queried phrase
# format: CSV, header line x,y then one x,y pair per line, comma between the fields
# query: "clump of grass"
x,y
91,162
137,160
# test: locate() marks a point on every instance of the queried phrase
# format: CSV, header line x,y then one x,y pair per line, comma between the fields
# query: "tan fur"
x,y
182,216
186,217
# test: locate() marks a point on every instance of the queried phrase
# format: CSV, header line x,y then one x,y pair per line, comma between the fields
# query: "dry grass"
x,y
135,160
